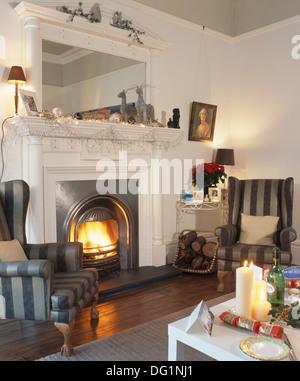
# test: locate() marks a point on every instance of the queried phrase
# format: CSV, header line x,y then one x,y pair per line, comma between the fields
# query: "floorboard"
x,y
30,340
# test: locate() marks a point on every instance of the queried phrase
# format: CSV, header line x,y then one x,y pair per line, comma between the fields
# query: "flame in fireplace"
x,y
98,236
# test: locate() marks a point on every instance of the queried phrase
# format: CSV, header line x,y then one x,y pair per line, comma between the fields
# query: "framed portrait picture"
x,y
214,194
203,119
30,102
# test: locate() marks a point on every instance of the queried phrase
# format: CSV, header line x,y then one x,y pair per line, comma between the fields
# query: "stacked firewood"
x,y
195,252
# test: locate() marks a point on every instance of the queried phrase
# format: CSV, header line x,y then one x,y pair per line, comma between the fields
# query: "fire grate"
x,y
105,259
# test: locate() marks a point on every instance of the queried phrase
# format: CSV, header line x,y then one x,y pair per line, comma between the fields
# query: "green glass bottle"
x,y
275,281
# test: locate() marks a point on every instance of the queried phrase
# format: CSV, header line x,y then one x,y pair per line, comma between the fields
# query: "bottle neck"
x,y
276,262
276,259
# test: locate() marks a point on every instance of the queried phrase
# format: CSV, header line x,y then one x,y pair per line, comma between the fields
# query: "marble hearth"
x,y
45,152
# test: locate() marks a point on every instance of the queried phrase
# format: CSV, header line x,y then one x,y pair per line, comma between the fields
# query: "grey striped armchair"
x,y
262,197
49,284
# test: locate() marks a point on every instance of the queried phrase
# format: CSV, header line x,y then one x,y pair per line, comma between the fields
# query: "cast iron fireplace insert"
x,y
79,208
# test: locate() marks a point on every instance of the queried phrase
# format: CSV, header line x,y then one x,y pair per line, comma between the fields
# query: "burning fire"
x,y
98,237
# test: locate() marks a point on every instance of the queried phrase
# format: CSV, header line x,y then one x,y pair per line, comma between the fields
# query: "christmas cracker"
x,y
252,325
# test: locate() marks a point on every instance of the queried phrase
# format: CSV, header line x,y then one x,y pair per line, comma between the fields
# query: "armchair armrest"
x,y
26,287
33,268
226,234
65,256
287,235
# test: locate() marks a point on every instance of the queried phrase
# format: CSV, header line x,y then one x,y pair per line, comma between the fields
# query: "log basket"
x,y
213,265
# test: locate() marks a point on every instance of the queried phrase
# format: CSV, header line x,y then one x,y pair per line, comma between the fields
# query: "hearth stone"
x,y
132,279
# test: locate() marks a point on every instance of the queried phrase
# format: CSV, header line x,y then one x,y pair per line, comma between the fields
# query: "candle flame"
x,y
251,264
245,263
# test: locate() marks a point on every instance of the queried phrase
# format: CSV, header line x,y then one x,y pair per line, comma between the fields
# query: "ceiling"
x,y
231,17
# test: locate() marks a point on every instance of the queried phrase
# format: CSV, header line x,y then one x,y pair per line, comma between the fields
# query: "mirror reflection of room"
x,y
77,79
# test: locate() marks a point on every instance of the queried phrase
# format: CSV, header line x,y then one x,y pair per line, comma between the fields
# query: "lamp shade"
x,y
225,156
16,75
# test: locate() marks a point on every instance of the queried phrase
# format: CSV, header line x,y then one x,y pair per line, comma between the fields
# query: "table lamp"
x,y
225,156
16,76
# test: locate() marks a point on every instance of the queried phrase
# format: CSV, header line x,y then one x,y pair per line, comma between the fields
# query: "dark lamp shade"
x,y
225,156
16,75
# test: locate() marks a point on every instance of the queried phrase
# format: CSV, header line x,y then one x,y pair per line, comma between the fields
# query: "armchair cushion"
x,y
70,287
11,251
258,230
72,291
261,255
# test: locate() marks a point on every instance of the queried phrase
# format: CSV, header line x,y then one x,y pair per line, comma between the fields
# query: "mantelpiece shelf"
x,y
97,130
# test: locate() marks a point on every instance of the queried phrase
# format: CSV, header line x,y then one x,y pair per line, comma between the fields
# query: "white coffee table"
x,y
224,342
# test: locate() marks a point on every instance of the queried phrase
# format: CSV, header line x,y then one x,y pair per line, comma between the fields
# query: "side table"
x,y
183,207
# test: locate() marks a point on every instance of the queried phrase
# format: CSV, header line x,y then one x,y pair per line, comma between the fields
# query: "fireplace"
x,y
68,151
97,229
107,225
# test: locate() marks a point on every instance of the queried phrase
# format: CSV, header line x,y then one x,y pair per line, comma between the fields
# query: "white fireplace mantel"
x,y
43,151
96,130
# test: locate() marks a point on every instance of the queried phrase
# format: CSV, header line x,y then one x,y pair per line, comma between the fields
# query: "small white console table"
x,y
185,207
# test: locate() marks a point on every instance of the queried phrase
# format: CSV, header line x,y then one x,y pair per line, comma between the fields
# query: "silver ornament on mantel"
x,y
58,112
115,118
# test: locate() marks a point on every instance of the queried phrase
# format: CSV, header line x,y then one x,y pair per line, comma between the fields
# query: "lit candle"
x,y
245,290
261,290
261,307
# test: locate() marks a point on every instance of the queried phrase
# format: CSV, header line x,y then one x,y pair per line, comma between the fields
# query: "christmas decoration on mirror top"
x,y
93,16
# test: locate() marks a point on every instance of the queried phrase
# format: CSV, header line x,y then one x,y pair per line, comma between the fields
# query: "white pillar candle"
x,y
245,290
261,290
261,306
261,309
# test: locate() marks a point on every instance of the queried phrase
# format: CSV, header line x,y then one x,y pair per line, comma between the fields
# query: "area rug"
x,y
146,342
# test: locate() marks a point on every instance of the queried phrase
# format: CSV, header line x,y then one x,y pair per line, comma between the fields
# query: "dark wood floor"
x,y
28,340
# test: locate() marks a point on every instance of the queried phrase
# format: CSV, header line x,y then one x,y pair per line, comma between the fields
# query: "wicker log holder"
x,y
195,254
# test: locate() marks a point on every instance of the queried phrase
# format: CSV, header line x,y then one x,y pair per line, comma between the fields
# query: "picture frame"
x,y
214,194
30,102
198,196
202,124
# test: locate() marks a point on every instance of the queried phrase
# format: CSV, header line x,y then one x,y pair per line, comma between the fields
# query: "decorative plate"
x,y
264,348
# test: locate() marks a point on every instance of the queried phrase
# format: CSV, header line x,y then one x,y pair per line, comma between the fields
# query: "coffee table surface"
x,y
224,342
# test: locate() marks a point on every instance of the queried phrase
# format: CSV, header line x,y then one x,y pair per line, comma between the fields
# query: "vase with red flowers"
x,y
208,175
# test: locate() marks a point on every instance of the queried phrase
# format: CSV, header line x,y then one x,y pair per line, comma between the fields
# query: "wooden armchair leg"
x,y
65,329
94,312
221,276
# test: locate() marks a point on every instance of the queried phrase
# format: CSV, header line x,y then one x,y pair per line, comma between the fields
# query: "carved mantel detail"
x,y
98,137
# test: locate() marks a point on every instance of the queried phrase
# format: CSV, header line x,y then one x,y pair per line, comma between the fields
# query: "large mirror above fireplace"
x,y
79,79
48,24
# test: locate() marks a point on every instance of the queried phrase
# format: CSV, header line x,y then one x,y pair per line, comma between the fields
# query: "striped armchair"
x,y
51,285
261,197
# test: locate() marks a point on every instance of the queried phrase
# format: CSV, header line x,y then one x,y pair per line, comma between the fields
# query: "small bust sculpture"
x,y
176,117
